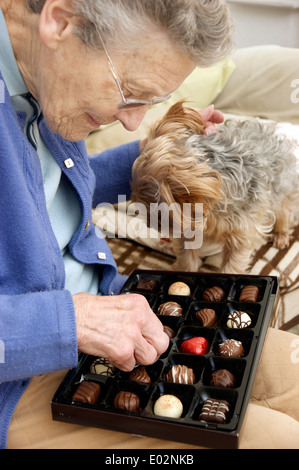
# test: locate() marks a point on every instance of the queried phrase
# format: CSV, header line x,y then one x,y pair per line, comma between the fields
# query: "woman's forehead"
x,y
163,68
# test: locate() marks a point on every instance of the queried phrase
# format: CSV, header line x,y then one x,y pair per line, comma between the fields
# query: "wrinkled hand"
x,y
121,328
211,117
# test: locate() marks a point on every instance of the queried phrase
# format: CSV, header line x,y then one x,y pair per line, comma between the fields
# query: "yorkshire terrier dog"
x,y
244,175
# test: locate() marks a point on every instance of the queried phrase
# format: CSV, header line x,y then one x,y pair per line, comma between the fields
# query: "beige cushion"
x,y
265,83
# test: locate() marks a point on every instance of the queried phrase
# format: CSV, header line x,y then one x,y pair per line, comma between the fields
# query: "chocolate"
x,y
87,392
169,331
181,374
127,401
231,348
170,308
139,374
179,288
168,406
213,294
147,285
249,294
214,411
222,378
206,316
238,319
197,345
102,366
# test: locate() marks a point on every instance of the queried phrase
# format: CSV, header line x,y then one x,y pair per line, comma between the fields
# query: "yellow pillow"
x,y
204,84
200,89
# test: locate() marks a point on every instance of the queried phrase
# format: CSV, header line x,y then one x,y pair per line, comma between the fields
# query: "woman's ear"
x,y
56,22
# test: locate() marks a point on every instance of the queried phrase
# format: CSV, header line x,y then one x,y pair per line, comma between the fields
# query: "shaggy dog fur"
x,y
244,175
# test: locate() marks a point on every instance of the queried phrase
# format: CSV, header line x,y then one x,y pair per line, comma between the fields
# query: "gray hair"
x,y
201,29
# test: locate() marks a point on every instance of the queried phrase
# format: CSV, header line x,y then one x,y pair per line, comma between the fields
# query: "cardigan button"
x,y
101,255
68,163
87,225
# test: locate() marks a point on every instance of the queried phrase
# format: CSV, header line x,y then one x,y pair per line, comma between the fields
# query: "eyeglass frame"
x,y
128,103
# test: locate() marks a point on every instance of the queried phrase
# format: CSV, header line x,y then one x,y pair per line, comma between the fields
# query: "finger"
x,y
148,350
145,354
206,113
217,116
160,342
126,366
210,114
153,332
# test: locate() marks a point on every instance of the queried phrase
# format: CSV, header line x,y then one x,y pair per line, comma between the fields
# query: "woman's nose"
x,y
131,118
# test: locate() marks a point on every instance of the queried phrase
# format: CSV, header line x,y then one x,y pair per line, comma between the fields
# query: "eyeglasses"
x,y
129,103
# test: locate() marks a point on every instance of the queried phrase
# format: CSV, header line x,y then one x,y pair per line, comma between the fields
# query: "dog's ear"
x,y
179,122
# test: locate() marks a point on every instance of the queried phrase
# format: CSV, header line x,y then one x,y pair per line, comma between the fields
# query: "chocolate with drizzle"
x,y
215,411
170,308
127,401
214,294
181,374
249,294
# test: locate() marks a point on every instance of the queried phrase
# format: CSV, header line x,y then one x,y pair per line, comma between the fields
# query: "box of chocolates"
x,y
198,390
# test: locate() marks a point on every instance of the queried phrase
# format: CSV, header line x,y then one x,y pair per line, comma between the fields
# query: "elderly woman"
x,y
68,67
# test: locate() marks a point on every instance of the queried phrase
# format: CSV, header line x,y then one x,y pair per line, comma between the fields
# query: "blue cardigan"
x,y
37,318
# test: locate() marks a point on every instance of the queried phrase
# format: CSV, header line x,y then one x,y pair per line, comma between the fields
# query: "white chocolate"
x,y
102,367
168,406
238,319
179,288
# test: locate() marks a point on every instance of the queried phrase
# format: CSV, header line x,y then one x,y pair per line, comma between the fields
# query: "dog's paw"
x,y
281,240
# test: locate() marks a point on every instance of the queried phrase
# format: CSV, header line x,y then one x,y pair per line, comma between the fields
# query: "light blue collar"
x,y
8,65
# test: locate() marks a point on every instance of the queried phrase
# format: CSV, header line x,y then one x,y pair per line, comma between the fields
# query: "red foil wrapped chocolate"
x,y
197,345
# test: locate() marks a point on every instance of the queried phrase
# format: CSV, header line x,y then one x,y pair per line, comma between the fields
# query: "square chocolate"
x,y
214,411
147,285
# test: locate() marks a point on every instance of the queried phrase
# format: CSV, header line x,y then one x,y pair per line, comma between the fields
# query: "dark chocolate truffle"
x,y
181,374
197,345
170,308
249,294
206,316
231,348
215,411
222,378
238,319
127,401
169,331
139,374
147,285
214,294
87,392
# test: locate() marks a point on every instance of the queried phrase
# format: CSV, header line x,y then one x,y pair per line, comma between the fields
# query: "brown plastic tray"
x,y
188,428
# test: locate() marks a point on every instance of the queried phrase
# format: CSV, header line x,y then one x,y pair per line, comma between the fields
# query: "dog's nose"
x,y
131,118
